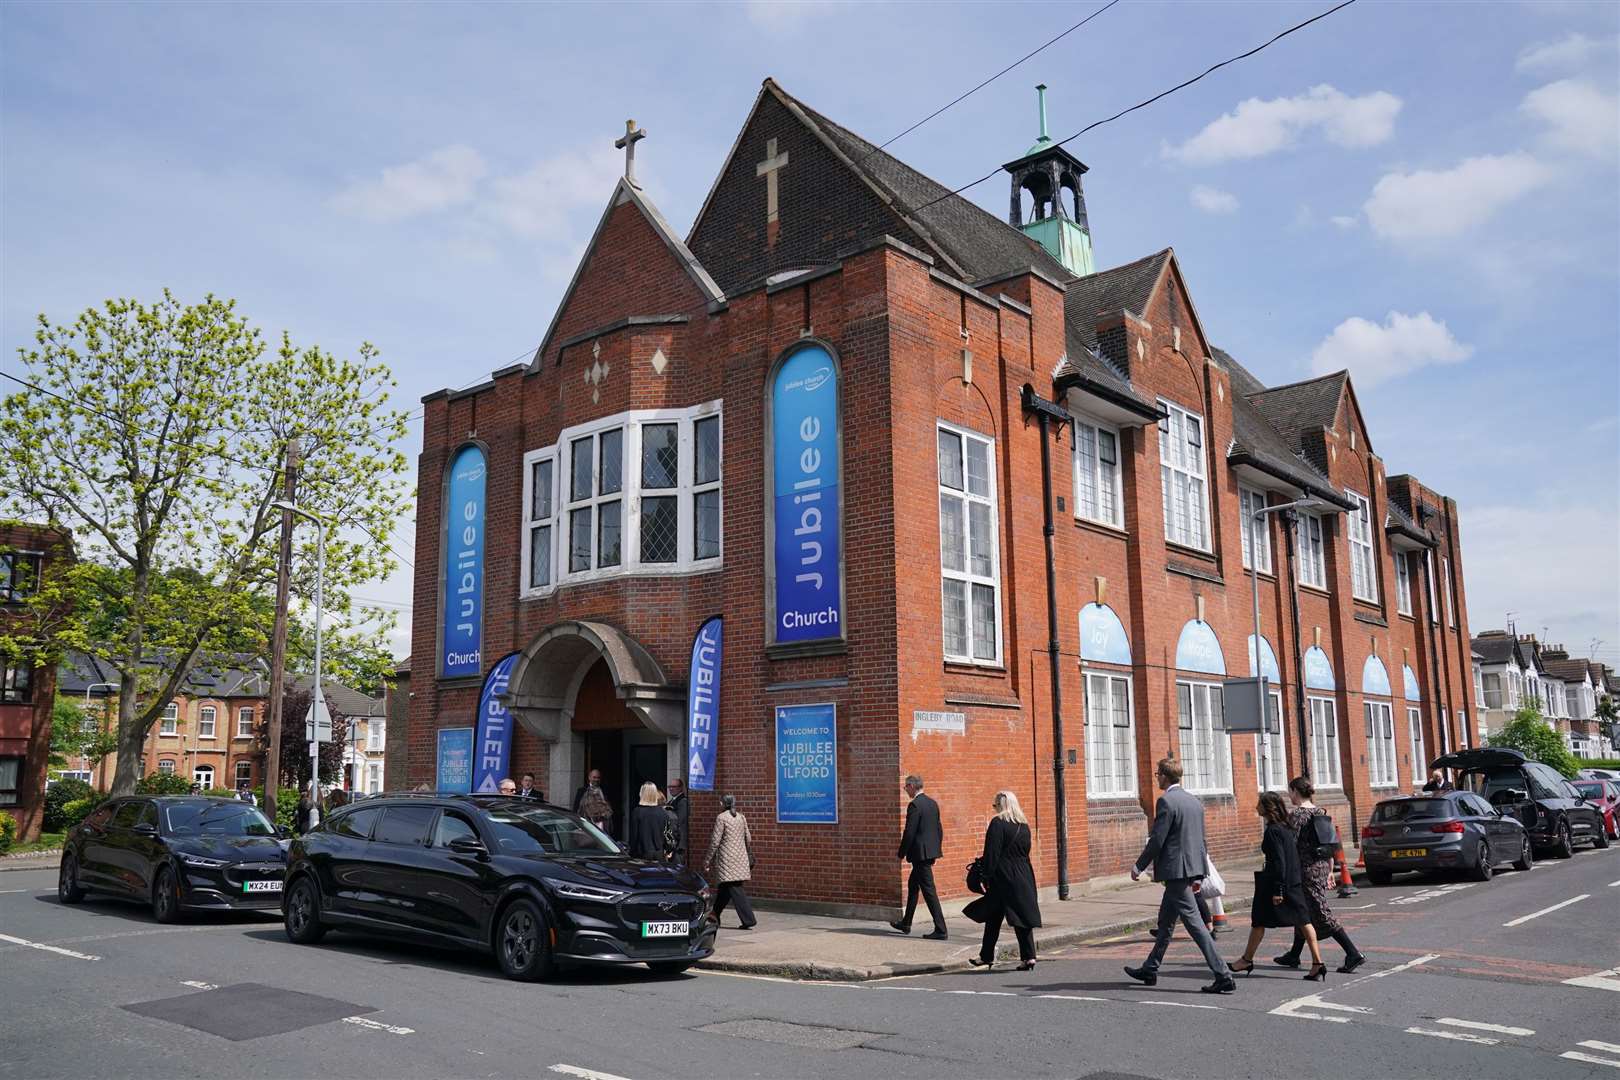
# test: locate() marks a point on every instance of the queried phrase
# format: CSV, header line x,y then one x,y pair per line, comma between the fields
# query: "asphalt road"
x,y
1515,978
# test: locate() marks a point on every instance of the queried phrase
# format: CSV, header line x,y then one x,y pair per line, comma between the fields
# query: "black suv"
x,y
531,883
1548,806
176,853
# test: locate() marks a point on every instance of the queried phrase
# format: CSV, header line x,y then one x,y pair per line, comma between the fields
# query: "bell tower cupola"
x,y
1050,176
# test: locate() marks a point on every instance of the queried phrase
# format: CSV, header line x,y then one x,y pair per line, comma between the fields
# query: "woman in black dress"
x,y
1009,884
1279,892
1318,877
647,825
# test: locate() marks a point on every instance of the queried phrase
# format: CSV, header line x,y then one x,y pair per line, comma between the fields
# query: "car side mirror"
x,y
468,845
283,833
144,829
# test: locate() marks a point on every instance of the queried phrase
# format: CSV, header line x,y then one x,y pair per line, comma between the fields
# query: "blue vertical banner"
x,y
455,760
703,706
461,604
492,760
807,764
806,545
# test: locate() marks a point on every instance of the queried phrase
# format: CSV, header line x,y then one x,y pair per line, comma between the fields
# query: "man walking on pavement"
x,y
1175,850
920,846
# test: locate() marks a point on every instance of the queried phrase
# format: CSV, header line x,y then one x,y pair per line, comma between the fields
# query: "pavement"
x,y
1516,979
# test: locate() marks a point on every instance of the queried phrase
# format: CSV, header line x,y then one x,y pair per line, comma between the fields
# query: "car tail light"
x,y
1447,827
1372,830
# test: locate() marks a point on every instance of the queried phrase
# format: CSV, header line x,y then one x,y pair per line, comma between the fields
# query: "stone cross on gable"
x,y
769,168
627,143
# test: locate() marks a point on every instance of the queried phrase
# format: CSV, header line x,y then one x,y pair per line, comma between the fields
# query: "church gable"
x,y
786,201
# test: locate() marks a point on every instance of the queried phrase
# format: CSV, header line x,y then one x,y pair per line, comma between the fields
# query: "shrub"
x,y
8,831
1533,737
286,805
220,793
162,783
59,795
77,810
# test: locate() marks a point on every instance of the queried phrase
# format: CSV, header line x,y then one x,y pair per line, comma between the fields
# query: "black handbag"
x,y
1324,837
975,876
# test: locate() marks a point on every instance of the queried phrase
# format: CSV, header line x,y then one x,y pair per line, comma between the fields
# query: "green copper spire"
x,y
1045,140
1050,176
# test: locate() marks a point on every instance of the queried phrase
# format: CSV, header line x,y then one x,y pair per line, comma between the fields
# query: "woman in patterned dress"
x,y
1318,875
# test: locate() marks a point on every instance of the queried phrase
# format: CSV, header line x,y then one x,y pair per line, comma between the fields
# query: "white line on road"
x,y
1358,907
1398,968
47,948
1299,1008
1593,1044
1575,1055
1179,1004
1319,1004
1612,885
373,1025
1598,980
1475,1025
1547,910
1068,997
1458,1036
31,890
584,1074
199,985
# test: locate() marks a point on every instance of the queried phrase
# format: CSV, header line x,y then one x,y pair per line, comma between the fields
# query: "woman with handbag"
x,y
1009,884
1279,893
731,861
1316,866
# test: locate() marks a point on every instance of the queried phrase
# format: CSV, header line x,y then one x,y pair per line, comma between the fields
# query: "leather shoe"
x,y
900,926
1143,976
936,935
1220,986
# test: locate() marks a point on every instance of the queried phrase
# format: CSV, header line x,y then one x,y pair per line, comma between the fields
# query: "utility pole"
x,y
278,637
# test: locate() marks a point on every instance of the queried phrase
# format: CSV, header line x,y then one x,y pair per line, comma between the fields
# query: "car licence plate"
x,y
1408,853
663,929
261,886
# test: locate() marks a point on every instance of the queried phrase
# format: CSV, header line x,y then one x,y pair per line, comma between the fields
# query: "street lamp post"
x,y
317,703
83,759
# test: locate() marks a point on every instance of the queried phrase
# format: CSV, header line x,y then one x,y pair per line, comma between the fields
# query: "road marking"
x,y
1358,907
1612,885
31,890
585,1074
1593,1044
1068,997
1598,980
914,989
200,985
1178,1004
1398,968
1547,910
1298,1006
1342,1008
47,948
1457,1036
373,1025
1475,1025
1575,1055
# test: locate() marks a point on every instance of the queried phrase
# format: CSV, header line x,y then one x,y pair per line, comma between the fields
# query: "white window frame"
x,y
207,721
244,731
1100,477
1107,741
1204,744
965,575
238,779
373,778
1420,753
376,733
1273,746
1363,562
1179,473
1327,770
1428,575
1451,592
1250,499
169,725
1312,550
166,765
1403,582
630,494
198,772
1381,766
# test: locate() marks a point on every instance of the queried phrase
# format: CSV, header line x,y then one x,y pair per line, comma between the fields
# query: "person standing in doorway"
x,y
527,790
647,824
1009,884
680,813
920,846
592,804
1316,866
731,862
1175,850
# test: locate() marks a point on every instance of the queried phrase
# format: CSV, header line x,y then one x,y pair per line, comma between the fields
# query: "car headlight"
x,y
202,862
572,890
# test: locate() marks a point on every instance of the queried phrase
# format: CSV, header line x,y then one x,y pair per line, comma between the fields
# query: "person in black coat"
x,y
680,812
1279,888
1009,884
920,845
647,824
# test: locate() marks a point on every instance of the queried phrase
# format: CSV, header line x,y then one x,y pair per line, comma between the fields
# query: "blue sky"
x,y
1423,193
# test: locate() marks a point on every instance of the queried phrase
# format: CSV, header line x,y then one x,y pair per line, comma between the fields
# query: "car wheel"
x,y
302,920
670,967
1379,877
67,881
520,942
1565,847
1527,857
1481,870
1600,836
166,897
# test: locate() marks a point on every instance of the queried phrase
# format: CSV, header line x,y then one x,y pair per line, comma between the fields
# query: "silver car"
x,y
1452,830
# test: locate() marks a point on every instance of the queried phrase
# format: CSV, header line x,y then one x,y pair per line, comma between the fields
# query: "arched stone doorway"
x,y
601,700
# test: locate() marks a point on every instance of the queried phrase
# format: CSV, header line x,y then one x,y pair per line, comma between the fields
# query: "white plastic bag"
x,y
1214,884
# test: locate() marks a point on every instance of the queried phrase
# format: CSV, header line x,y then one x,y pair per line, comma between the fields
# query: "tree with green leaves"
x,y
1533,737
78,733
157,433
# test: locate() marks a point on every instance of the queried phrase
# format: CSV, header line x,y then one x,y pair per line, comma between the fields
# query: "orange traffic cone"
x,y
1346,888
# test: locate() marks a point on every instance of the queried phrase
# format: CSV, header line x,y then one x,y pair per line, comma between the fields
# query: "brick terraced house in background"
x,y
809,417
29,554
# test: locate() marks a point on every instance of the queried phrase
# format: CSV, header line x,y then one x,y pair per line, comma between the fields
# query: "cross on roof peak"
x,y
627,143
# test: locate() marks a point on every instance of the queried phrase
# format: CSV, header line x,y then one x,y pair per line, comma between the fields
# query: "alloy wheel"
x,y
298,912
520,938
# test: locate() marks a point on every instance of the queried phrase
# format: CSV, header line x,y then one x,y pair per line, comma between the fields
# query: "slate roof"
x,y
1303,406
343,700
1255,441
1568,670
1494,648
243,676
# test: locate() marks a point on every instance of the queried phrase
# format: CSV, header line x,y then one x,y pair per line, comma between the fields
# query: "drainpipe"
x,y
1046,413
1436,678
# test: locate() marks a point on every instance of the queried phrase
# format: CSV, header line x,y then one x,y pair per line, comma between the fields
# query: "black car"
x,y
1555,814
1453,830
175,853
532,883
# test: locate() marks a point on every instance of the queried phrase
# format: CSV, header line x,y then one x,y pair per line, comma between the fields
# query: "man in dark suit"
x,y
1175,850
680,814
527,790
920,846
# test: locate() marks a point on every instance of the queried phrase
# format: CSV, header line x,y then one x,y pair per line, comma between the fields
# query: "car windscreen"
x,y
539,829
1409,809
216,819
1589,789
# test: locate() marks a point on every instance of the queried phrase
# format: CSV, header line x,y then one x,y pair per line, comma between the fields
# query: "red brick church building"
x,y
819,416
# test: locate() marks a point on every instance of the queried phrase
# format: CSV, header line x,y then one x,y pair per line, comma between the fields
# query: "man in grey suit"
x,y
1175,850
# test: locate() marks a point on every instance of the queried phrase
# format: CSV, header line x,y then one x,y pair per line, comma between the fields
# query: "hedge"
x,y
8,831
58,795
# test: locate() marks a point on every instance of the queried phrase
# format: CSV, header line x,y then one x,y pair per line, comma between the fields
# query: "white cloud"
x,y
1374,353
1257,128
1569,53
776,16
1344,221
1427,205
1579,117
554,195
1213,201
447,177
